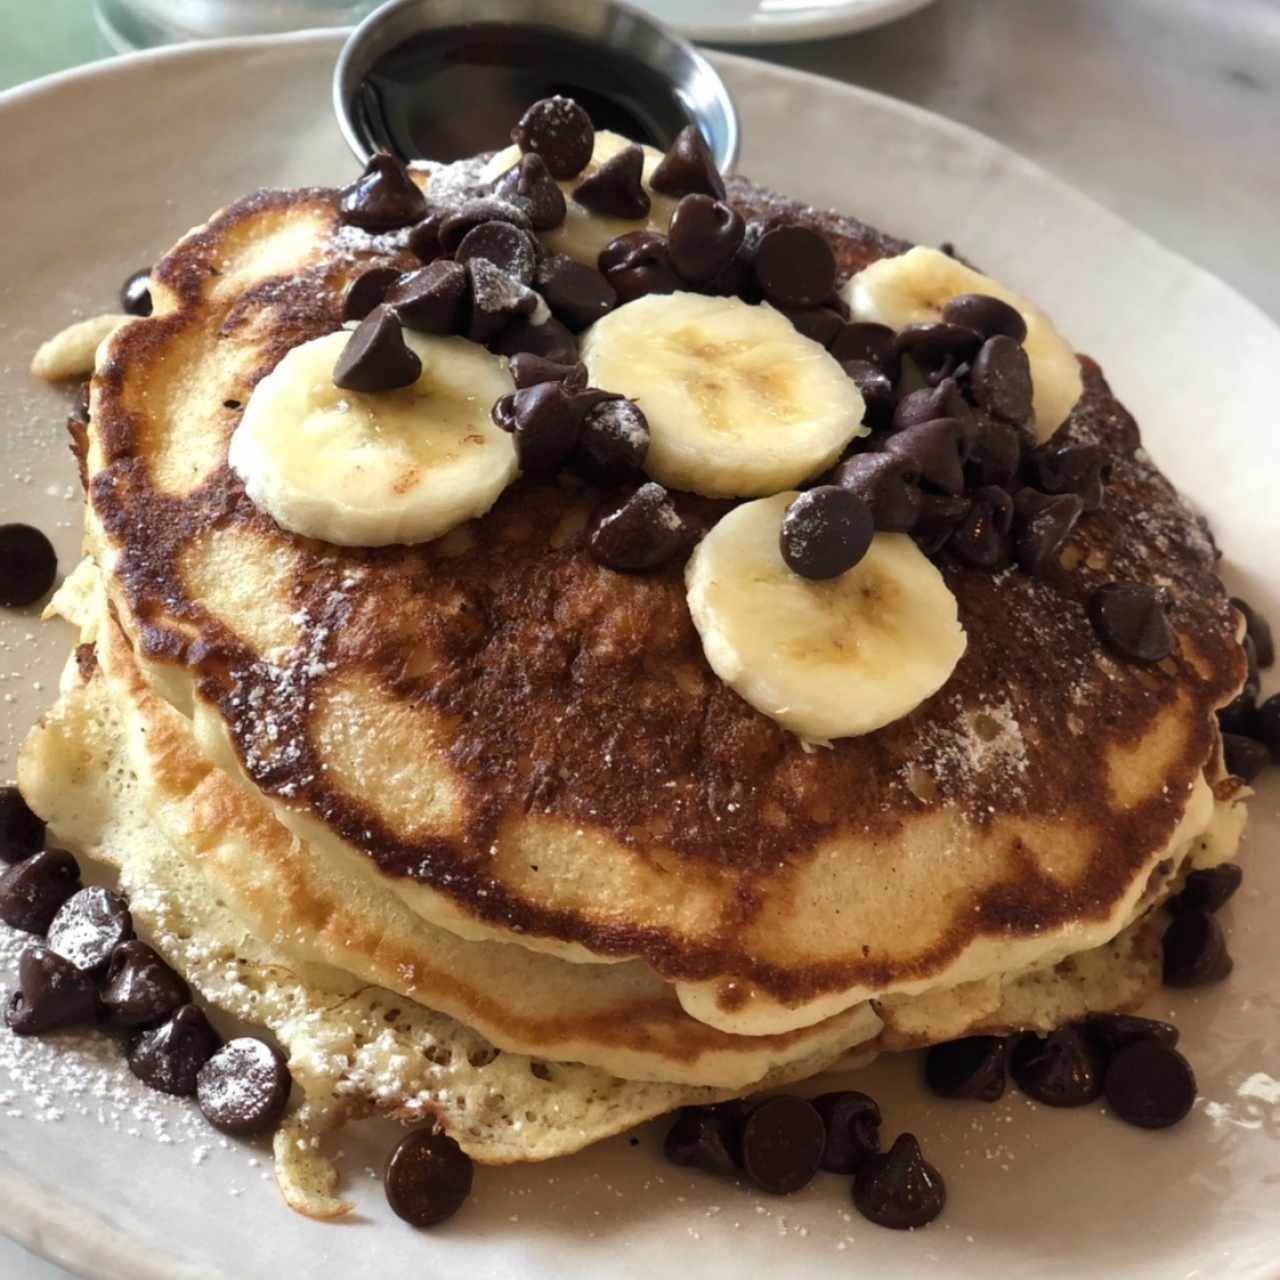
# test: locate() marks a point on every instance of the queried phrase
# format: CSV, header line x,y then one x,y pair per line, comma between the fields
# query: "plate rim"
x,y
855,18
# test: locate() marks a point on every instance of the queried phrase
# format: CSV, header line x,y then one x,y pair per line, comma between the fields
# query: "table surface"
x,y
1167,111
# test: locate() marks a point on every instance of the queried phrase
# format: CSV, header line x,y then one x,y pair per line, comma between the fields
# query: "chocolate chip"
x,y
531,185
431,299
782,1142
1195,951
424,239
528,370
701,1138
1258,630
89,926
1082,469
982,538
383,197
1061,1070
32,891
943,401
548,339
704,237
1130,618
822,324
852,1123
1209,888
939,515
889,485
559,131
28,565
640,531
428,1178
825,532
876,390
735,281
1000,380
456,224
636,264
1239,715
795,266
1150,1085
1115,1031
937,449
937,350
1266,725
244,1088
496,300
135,293
366,291
1245,758
21,832
873,343
169,1057
615,435
899,1189
511,250
545,424
985,315
577,295
375,357
616,188
995,452
140,988
970,1068
1043,524
52,993
688,168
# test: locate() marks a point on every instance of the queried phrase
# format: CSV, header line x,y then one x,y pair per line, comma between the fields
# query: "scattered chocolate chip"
x,y
825,532
1239,714
366,291
638,263
32,891
795,266
1195,951
735,281
858,340
531,185
929,403
937,449
1000,380
1209,888
995,452
688,168
548,339
1266,725
375,357
1130,617
970,1068
782,1143
244,1088
1258,630
982,538
640,531
135,293
431,299
615,435
559,131
876,390
577,295
899,1189
428,1177
1245,758
169,1057
496,300
937,350
424,239
704,237
616,188
28,565
1082,469
939,515
512,251
1061,1070
821,324
1043,523
1115,1031
383,197
456,223
52,993
1150,1084
140,988
852,1123
545,424
701,1138
889,485
21,832
985,315
528,370
89,926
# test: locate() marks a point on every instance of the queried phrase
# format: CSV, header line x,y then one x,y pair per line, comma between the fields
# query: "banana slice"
x,y
739,403
825,659
582,235
366,470
913,287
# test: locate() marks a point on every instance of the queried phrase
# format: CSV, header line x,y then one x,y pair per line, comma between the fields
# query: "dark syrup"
x,y
445,95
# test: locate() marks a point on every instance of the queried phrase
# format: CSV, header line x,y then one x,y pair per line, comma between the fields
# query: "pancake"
x,y
583,785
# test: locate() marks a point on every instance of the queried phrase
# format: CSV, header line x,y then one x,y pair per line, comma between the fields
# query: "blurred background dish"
x,y
776,21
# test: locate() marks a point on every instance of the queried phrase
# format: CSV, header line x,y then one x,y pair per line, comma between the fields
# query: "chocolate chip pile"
x,y
90,970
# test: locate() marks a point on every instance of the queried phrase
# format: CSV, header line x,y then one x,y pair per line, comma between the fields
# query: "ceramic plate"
x,y
776,21
106,167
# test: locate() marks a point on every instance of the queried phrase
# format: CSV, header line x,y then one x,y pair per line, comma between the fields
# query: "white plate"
x,y
776,21
106,166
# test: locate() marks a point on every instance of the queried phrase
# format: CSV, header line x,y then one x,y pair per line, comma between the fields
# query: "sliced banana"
x,y
738,402
825,659
913,287
371,469
582,235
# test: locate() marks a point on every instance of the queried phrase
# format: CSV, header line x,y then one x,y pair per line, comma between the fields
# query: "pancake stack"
x,y
487,831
